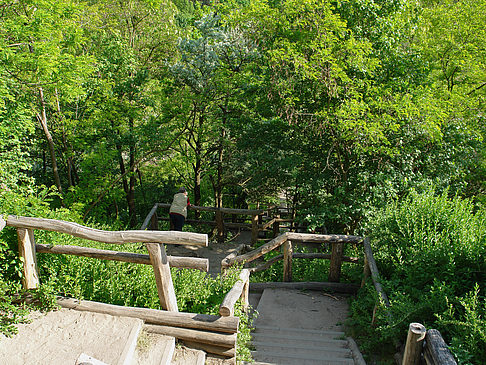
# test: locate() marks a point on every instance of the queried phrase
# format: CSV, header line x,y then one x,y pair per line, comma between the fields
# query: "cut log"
x,y
323,238
30,277
211,338
174,261
233,254
436,351
153,316
253,255
217,350
375,276
2,223
163,278
227,307
413,346
287,261
336,261
147,220
116,237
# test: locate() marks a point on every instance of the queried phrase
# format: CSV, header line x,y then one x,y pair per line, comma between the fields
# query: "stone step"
x,y
298,349
299,341
298,359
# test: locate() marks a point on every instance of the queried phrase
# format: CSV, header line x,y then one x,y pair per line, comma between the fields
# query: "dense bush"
x,y
431,254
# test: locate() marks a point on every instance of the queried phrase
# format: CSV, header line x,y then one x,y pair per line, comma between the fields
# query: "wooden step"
x,y
154,349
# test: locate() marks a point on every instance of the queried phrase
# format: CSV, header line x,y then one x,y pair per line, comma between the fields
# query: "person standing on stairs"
x,y
178,210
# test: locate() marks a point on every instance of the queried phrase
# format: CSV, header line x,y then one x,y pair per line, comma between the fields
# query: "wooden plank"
x,y
136,258
436,351
115,237
262,250
343,288
149,217
217,350
30,277
324,238
375,276
287,261
211,338
227,307
163,278
254,229
205,322
413,346
336,261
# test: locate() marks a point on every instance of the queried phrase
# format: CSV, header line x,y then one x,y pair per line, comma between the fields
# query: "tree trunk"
x,y
50,142
131,189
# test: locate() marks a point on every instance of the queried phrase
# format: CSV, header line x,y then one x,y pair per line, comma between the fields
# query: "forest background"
x,y
357,110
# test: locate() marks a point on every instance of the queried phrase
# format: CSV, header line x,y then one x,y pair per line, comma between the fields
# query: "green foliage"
x,y
431,254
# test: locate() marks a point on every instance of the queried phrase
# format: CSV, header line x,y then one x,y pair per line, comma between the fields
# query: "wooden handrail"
x,y
149,217
216,209
115,237
136,258
240,289
375,275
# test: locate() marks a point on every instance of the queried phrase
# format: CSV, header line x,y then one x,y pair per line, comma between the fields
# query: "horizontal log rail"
x,y
239,290
114,237
136,258
222,210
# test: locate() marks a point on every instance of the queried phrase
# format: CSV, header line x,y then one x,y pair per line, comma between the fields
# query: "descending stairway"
x,y
304,328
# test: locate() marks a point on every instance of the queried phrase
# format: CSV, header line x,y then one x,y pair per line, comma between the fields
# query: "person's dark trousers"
x,y
177,221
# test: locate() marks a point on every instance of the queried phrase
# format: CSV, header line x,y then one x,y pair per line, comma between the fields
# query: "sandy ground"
x,y
60,337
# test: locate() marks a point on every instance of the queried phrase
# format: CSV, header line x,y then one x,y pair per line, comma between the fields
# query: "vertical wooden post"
x,y
245,296
163,278
287,261
366,271
254,229
413,347
220,225
2,223
336,261
276,226
154,222
30,279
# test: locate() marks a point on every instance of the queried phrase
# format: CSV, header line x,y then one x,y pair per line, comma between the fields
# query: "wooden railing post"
x,y
254,229
220,225
336,261
276,226
26,240
366,271
163,278
154,222
414,344
287,262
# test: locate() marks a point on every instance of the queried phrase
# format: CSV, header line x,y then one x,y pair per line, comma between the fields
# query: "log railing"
x,y
241,289
153,240
428,344
287,240
152,219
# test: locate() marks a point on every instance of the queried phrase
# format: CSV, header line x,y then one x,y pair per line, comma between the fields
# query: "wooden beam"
x,y
375,276
233,254
30,277
149,217
262,250
413,346
227,307
204,322
336,261
254,228
136,258
287,261
163,278
333,287
116,237
324,238
212,349
211,338
436,351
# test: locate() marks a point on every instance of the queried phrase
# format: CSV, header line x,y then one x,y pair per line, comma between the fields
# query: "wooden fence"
x,y
256,225
211,333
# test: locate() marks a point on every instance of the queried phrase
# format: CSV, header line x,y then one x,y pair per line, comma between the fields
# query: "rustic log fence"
x,y
211,333
256,224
